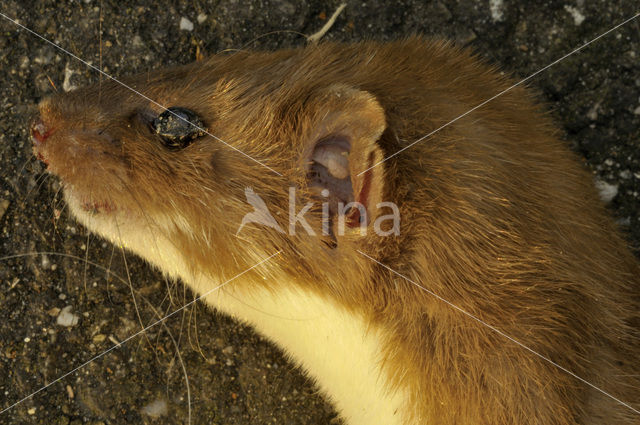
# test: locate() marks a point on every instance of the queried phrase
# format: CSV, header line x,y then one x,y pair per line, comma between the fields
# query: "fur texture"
x,y
498,218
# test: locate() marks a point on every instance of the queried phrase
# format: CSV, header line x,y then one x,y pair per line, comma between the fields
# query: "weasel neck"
x,y
336,347
340,349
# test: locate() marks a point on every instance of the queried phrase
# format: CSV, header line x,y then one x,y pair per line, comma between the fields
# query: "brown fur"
x,y
498,217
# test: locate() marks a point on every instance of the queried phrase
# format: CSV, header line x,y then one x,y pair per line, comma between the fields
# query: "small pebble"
x,y
24,62
201,18
66,318
156,408
577,16
136,41
67,84
497,10
625,174
592,114
185,24
606,191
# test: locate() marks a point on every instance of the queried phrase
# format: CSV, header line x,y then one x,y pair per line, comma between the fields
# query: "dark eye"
x,y
179,127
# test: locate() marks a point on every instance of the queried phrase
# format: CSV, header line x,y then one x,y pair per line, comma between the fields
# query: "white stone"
x,y
606,191
67,85
156,408
66,318
185,24
497,10
578,17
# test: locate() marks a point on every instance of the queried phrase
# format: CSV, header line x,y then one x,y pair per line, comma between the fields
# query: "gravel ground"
x,y
60,307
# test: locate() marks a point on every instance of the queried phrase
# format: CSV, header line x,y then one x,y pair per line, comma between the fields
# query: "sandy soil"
x,y
49,263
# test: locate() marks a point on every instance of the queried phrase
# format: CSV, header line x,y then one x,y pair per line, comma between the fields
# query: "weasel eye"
x,y
179,127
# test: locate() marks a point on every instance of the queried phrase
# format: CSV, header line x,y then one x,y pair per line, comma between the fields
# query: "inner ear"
x,y
343,153
329,175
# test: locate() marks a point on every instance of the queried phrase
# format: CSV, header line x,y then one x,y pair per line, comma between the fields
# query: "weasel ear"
x,y
342,152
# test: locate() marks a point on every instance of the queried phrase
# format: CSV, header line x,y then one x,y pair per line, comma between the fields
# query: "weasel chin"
x,y
103,218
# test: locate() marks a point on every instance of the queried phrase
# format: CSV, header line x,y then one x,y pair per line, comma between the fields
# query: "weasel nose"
x,y
39,131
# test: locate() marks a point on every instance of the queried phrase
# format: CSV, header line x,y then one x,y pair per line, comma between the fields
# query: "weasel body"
x,y
498,225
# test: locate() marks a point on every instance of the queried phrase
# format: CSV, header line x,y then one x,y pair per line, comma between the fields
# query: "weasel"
x,y
473,278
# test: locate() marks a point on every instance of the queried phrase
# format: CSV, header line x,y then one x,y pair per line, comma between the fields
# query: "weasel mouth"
x,y
97,207
39,134
40,157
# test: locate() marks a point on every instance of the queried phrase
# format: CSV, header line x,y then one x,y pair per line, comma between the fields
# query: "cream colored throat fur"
x,y
338,348
333,345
